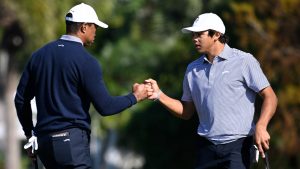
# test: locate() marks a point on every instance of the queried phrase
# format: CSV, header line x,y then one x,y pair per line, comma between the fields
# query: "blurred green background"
x,y
144,40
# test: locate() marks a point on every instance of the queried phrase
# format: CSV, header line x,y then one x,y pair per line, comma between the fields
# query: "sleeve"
x,y
253,74
24,95
103,102
186,96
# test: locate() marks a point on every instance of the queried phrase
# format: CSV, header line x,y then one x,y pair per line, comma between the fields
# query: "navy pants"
x,y
67,149
234,155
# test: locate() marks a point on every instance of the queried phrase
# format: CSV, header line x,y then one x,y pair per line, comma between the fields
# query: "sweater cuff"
x,y
132,99
28,133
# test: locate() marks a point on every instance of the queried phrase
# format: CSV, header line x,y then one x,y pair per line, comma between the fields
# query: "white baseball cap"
x,y
205,22
84,13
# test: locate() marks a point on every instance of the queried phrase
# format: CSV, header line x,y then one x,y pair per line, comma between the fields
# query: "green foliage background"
x,y
144,40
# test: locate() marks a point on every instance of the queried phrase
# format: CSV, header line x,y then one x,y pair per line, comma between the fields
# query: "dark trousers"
x,y
234,155
67,149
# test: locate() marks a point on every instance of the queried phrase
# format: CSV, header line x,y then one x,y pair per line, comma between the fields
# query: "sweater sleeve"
x,y
22,100
94,85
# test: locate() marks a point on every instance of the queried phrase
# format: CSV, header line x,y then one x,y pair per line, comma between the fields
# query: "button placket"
x,y
212,72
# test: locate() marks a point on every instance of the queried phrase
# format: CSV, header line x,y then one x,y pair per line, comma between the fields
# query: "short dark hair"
x,y
223,38
72,27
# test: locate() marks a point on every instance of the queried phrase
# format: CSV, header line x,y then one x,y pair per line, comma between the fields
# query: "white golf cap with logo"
x,y
85,14
205,22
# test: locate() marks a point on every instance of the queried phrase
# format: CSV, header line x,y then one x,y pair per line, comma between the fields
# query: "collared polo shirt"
x,y
71,38
224,93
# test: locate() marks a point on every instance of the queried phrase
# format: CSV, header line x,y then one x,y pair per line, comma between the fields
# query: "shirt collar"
x,y
71,38
225,54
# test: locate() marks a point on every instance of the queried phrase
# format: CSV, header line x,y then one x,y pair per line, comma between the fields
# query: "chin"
x,y
88,44
199,50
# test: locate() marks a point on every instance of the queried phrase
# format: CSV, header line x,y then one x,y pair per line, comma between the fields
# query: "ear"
x,y
83,28
217,35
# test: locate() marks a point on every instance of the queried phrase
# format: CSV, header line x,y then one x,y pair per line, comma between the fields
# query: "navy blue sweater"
x,y
65,79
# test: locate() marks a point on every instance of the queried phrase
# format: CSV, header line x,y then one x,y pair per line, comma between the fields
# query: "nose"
x,y
195,39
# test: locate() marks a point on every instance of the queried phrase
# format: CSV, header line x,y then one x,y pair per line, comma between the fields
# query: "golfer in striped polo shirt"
x,y
221,86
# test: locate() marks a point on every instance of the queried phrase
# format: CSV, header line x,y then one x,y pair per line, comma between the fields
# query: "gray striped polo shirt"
x,y
224,93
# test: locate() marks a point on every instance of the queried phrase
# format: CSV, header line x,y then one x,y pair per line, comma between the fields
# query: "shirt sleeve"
x,y
24,95
103,102
253,74
186,96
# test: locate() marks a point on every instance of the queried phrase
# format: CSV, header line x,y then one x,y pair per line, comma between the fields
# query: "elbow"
x,y
18,101
275,101
274,98
106,111
103,112
269,95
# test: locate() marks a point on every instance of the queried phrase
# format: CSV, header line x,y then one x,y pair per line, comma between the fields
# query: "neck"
x,y
78,35
215,51
73,34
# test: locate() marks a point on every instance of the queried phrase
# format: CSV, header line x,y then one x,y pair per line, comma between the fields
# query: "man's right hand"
x,y
139,91
154,93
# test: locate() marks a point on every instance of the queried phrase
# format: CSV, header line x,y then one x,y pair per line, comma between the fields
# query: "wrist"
x,y
260,126
157,95
137,99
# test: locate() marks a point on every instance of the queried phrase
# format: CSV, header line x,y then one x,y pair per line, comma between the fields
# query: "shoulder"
x,y
240,53
196,63
243,56
42,51
45,46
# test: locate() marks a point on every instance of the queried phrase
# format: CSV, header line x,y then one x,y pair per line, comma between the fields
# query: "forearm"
x,y
262,137
24,94
180,109
174,106
110,105
268,108
24,114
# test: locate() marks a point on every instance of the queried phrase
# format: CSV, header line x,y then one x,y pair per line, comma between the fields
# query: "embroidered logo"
x,y
224,72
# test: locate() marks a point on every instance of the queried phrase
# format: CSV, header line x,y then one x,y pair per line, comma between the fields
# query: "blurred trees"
x,y
12,40
144,40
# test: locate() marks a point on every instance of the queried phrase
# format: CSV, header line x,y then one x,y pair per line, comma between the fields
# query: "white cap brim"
x,y
206,22
101,24
191,29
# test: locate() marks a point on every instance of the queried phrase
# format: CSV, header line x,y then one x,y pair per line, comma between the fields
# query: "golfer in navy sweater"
x,y
65,79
